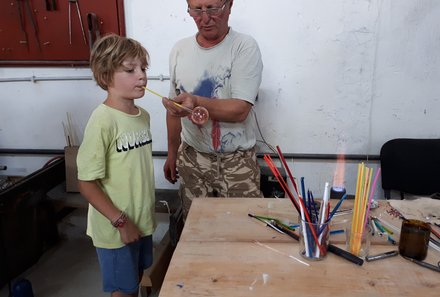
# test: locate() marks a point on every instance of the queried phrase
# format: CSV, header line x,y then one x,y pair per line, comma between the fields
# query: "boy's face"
x,y
129,79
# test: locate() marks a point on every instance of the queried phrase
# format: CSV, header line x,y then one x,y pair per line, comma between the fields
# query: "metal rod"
x,y
11,151
352,157
63,78
8,151
70,25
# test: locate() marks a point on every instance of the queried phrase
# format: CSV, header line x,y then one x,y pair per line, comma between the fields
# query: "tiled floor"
x,y
70,269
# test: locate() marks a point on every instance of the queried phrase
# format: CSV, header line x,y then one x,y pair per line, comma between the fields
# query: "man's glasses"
x,y
213,11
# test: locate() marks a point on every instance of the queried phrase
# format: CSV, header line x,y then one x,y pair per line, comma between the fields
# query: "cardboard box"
x,y
70,153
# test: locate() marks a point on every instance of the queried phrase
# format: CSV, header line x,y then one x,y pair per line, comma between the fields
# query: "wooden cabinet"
x,y
49,32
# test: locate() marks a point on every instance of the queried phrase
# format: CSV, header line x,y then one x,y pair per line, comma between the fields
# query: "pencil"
x,y
286,230
335,209
424,264
433,231
257,217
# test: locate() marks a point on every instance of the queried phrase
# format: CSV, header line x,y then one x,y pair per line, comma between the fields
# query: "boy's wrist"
x,y
120,221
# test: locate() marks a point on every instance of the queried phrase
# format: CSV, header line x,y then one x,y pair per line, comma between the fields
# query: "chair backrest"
x,y
411,166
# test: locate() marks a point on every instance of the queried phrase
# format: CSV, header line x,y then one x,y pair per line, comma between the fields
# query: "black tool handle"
x,y
344,254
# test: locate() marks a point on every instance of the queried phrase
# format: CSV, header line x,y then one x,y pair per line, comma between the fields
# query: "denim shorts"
x,y
122,267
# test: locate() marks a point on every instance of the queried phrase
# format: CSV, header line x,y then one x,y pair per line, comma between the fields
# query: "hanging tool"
x,y
24,38
93,25
31,16
71,2
51,5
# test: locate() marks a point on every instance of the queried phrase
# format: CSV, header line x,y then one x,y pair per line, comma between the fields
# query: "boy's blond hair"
x,y
109,52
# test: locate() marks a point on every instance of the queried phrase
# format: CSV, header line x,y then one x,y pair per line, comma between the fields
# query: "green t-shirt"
x,y
117,151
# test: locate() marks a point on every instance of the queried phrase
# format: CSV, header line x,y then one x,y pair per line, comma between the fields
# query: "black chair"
x,y
411,166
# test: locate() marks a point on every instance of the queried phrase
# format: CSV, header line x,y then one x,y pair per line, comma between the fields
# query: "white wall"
x,y
340,76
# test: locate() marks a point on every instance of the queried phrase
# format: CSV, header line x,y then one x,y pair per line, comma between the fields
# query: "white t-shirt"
x,y
230,69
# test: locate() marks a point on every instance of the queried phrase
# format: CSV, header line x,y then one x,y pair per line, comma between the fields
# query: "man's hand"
x,y
186,101
170,170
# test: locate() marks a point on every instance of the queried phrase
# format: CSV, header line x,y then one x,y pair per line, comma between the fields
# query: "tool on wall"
x,y
21,14
71,2
51,5
24,38
94,33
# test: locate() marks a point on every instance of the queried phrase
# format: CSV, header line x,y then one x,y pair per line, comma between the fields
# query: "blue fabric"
x,y
121,267
22,288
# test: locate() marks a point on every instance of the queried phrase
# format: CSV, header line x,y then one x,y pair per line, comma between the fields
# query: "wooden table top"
x,y
248,269
220,219
223,252
213,219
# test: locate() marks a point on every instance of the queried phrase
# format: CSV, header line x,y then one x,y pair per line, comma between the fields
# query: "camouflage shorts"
x,y
234,174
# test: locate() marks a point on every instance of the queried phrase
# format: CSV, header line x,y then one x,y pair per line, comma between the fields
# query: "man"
x,y
218,69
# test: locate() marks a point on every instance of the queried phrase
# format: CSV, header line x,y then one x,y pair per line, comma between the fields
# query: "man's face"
x,y
211,17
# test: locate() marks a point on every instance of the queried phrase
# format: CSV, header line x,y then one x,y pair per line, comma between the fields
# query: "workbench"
x,y
224,252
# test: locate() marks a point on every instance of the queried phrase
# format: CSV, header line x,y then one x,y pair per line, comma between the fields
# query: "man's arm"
x,y
225,110
222,110
174,127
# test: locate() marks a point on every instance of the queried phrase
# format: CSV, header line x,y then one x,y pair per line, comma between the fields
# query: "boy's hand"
x,y
129,232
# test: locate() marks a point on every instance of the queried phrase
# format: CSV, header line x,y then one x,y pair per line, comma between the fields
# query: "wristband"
x,y
120,221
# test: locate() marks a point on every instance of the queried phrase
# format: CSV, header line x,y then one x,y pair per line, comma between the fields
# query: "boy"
x,y
115,166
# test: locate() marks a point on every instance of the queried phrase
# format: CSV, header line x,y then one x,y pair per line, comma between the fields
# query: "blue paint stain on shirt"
x,y
206,88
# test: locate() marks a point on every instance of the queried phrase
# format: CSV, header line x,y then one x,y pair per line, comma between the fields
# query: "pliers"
x,y
80,21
